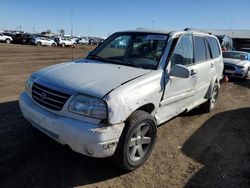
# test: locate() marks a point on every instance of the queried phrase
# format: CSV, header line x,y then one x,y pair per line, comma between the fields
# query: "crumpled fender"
x,y
132,95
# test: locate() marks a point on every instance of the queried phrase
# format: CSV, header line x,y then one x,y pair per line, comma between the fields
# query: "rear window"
x,y
215,49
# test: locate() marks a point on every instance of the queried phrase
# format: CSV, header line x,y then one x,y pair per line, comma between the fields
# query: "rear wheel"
x,y
63,44
210,104
54,44
137,141
74,45
7,41
38,43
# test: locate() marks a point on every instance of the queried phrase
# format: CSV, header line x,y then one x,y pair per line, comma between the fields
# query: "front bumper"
x,y
83,137
238,73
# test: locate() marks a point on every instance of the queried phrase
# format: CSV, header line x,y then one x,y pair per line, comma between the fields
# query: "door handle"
x,y
193,72
212,65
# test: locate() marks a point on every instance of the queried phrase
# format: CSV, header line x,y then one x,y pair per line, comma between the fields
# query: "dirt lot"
x,y
192,150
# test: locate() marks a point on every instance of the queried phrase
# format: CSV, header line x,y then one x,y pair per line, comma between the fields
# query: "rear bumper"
x,y
83,137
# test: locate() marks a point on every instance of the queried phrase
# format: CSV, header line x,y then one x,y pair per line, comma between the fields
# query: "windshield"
x,y
234,55
142,50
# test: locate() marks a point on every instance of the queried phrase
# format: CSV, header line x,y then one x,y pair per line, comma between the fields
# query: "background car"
x,y
66,42
5,38
237,55
245,50
236,68
43,41
236,64
82,40
95,41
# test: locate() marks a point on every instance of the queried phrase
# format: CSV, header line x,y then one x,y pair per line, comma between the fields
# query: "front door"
x,y
179,92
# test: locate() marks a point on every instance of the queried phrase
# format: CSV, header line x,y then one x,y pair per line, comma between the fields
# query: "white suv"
x,y
111,102
43,41
66,42
5,38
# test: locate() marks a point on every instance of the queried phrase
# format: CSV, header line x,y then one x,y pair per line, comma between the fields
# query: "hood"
x,y
90,77
237,62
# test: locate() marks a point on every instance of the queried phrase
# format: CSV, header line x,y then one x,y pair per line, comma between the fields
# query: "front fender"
x,y
132,95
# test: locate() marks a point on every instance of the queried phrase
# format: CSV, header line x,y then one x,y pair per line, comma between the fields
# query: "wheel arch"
x,y
149,108
211,86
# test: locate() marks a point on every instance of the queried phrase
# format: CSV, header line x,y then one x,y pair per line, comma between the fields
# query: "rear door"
x,y
204,66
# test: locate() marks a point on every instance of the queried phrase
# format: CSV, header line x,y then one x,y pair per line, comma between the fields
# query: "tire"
x,y
209,105
53,44
7,41
63,45
38,43
131,152
74,45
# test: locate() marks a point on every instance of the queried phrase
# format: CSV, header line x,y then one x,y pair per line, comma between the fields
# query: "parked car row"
x,y
39,40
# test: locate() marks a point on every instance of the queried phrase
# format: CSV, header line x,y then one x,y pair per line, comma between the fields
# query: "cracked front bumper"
x,y
83,137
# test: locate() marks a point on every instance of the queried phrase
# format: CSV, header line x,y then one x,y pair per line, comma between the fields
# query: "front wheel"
x,y
210,104
137,141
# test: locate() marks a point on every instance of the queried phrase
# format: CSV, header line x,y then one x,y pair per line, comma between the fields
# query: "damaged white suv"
x,y
111,102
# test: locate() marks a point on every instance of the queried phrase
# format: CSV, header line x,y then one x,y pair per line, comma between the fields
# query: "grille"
x,y
49,98
229,67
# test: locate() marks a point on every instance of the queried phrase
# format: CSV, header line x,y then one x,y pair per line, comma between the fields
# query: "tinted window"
x,y
183,52
214,47
199,49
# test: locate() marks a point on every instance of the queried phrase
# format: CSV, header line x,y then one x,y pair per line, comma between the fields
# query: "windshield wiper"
x,y
114,60
95,57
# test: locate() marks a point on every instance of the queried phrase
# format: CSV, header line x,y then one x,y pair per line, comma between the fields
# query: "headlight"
x,y
88,106
29,83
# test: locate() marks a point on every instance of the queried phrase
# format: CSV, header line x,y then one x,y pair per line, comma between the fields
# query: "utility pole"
x,y
89,28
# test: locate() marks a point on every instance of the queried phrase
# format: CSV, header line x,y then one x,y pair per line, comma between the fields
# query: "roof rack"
x,y
198,30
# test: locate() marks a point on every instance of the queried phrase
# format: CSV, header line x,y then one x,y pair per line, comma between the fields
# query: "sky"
x,y
102,18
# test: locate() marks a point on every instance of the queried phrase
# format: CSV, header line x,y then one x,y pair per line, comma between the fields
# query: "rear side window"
x,y
215,49
199,49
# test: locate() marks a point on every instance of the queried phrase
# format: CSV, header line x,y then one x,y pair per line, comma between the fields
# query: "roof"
x,y
171,32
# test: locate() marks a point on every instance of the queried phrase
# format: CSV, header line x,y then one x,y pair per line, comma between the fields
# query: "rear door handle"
x,y
193,72
212,65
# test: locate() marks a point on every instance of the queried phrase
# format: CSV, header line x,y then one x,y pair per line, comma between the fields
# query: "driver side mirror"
x,y
180,71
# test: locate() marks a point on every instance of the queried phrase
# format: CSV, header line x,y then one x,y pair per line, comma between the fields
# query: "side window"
x,y
199,49
215,49
183,52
